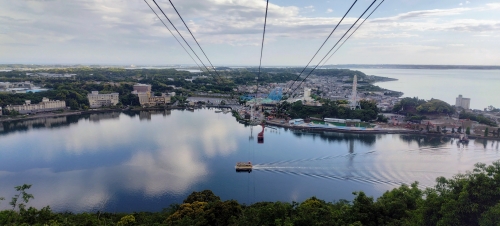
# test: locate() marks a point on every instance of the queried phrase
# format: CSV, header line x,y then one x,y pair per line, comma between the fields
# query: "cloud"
x,y
124,30
422,14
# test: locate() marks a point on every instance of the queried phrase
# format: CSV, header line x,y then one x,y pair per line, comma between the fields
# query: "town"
x,y
252,99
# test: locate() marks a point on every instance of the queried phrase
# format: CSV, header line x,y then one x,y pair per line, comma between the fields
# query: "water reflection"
x,y
135,161
152,160
367,139
424,141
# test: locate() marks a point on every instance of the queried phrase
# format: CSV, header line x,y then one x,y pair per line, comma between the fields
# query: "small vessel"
x,y
218,111
244,166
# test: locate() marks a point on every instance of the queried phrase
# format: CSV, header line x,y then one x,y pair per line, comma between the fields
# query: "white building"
x,y
97,100
142,88
307,95
462,102
45,105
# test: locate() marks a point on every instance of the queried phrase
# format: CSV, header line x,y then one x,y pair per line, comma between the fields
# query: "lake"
x,y
482,86
145,161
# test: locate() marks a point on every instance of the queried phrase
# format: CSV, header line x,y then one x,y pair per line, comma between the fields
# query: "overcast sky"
x,y
230,32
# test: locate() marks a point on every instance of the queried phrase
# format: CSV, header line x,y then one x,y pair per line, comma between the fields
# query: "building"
x,y
45,105
462,102
148,99
307,95
142,88
97,100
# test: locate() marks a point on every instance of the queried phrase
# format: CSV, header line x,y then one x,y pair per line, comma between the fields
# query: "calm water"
x,y
482,86
144,162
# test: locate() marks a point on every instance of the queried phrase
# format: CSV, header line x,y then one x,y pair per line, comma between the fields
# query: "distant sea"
x,y
482,86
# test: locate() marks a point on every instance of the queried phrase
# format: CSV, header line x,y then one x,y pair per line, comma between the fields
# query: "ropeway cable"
x,y
335,45
352,33
291,86
261,51
180,35
173,35
194,38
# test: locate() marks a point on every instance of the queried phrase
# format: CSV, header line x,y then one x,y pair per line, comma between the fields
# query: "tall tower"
x,y
354,96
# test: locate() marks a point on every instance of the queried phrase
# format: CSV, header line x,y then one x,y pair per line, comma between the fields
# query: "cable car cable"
x,y
291,86
173,35
181,35
194,38
261,51
352,33
335,45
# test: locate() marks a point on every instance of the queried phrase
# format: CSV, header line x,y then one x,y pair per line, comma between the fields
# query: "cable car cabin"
x,y
244,167
260,136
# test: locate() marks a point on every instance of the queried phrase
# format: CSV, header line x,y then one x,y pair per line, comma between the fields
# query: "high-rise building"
x,y
462,102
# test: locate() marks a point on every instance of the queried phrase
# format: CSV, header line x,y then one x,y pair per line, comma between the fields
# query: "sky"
x,y
127,32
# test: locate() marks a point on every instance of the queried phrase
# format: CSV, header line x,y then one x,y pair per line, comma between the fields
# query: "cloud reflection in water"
x,y
161,156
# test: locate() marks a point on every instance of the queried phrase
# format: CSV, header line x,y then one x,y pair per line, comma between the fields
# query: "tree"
x,y
23,194
467,131
459,130
453,130
498,132
486,132
203,196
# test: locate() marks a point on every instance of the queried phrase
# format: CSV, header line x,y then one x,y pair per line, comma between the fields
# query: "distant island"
x,y
415,66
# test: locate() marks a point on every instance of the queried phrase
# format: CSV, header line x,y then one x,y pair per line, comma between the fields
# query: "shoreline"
x,y
268,122
377,131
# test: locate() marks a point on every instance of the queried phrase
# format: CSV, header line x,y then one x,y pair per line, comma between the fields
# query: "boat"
x,y
218,111
244,166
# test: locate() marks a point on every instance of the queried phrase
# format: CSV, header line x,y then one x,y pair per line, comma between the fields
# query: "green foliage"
x,y
467,131
408,104
126,220
24,196
491,216
203,196
486,132
478,118
435,106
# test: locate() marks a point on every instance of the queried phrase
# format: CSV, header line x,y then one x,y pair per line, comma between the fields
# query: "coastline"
x,y
268,122
374,131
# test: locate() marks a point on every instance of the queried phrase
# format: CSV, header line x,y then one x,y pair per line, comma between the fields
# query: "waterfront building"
x,y
462,102
142,88
150,100
45,105
97,100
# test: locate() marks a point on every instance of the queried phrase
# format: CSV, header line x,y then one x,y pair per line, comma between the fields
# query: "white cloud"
x,y
121,28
